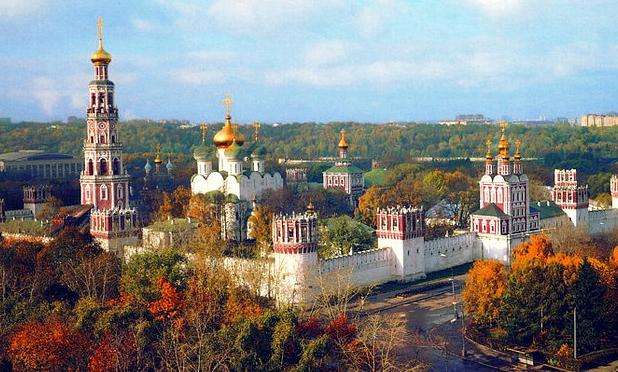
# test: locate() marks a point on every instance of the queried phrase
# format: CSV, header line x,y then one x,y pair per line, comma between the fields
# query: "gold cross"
x,y
503,125
256,128
204,128
158,149
100,30
227,102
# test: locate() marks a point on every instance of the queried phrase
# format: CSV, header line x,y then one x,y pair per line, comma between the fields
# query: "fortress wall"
x,y
459,249
363,268
602,221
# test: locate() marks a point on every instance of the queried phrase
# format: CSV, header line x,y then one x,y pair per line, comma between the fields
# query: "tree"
x,y
50,208
261,220
588,298
50,345
142,273
166,208
180,201
342,234
482,295
536,250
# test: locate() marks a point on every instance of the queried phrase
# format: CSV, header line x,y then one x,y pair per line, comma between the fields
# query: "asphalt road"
x,y
422,312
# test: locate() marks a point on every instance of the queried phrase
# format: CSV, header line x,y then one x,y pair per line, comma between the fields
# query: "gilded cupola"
x,y
100,56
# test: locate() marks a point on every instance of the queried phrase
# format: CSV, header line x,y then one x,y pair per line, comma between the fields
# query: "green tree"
x,y
342,234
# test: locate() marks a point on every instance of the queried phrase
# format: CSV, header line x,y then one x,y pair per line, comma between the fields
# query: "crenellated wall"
x,y
364,268
457,250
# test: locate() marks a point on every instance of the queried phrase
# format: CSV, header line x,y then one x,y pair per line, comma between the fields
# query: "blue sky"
x,y
311,60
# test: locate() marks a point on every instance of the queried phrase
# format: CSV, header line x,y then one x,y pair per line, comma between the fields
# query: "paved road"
x,y
422,311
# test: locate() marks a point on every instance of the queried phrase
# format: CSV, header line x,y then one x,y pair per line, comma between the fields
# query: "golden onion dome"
x,y
517,150
343,144
101,56
225,136
503,146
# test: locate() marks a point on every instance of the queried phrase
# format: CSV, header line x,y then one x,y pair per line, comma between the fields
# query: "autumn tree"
x,y
49,345
261,220
482,295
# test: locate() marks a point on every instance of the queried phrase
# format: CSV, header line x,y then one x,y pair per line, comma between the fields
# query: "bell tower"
x,y
104,181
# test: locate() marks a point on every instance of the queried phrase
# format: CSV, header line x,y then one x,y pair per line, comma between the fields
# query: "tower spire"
x,y
204,128
256,130
100,31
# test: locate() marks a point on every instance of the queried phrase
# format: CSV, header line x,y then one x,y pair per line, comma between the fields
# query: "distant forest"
x,y
385,142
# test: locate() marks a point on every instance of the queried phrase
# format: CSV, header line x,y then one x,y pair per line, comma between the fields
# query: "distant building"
x,y
467,119
344,176
37,163
296,174
596,120
159,179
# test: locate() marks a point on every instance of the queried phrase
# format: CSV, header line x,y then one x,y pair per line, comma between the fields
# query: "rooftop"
x,y
547,209
343,169
491,210
23,155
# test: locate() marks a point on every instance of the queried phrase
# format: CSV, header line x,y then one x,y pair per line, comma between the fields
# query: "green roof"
x,y
343,169
201,151
234,150
375,177
491,210
547,209
172,225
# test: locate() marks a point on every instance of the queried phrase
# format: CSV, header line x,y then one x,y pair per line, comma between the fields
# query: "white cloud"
x,y
45,92
258,16
498,8
191,76
144,25
20,8
213,56
374,18
326,52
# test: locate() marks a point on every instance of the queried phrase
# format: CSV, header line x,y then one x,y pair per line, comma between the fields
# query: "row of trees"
x,y
531,305
68,305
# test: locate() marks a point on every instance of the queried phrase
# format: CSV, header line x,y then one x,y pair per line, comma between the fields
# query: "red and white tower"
x,y
402,229
570,196
104,181
295,246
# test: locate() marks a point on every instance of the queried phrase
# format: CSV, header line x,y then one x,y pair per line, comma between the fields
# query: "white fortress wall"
x,y
602,221
255,274
364,268
459,249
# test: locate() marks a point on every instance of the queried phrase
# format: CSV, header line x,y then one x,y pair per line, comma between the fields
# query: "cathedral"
x,y
104,182
504,219
240,175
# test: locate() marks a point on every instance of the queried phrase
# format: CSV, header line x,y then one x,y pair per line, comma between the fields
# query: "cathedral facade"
x,y
240,175
344,176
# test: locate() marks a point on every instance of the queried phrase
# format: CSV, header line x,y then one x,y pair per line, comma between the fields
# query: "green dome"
x,y
233,151
201,152
259,151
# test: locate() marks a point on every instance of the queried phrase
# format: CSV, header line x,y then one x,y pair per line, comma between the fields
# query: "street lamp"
x,y
452,279
463,323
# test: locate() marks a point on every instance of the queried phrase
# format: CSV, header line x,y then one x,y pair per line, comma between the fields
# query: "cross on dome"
x,y
256,130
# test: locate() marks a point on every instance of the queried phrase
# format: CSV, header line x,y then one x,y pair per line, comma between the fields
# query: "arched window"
x,y
102,139
103,167
116,166
103,192
113,139
90,167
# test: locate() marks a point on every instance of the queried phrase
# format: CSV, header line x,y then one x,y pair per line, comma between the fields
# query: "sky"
x,y
313,60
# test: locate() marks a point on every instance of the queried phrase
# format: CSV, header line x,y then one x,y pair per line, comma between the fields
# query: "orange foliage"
x,y
50,345
169,305
341,330
613,259
571,264
239,306
114,352
485,286
536,250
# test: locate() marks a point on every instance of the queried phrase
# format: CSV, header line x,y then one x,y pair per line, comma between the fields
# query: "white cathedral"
x,y
240,174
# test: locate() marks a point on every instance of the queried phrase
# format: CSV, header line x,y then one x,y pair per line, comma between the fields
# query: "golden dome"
x,y
503,146
226,135
488,155
517,148
100,55
343,144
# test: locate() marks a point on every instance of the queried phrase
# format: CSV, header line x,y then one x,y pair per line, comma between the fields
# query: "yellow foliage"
x,y
485,286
